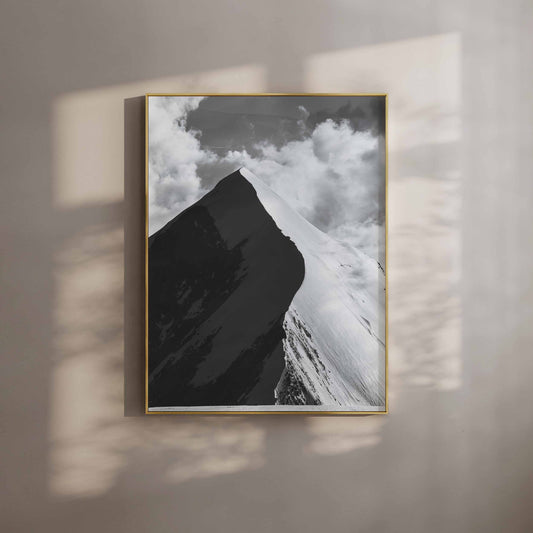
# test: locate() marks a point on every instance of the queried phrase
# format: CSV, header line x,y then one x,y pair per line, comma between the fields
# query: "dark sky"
x,y
241,122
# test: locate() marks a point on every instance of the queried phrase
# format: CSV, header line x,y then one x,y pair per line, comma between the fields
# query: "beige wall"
x,y
454,454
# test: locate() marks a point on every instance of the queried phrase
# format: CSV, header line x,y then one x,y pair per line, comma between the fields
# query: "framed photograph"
x,y
266,235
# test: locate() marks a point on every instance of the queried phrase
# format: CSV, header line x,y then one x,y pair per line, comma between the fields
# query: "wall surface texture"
x,y
456,451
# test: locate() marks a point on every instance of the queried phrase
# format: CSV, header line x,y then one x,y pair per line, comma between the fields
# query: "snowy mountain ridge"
x,y
335,334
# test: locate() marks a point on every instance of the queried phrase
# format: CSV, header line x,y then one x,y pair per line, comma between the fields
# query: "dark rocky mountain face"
x,y
221,277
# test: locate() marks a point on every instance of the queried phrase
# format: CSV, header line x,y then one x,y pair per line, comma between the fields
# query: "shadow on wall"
x,y
95,450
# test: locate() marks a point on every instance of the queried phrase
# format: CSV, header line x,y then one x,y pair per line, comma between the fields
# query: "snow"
x,y
335,330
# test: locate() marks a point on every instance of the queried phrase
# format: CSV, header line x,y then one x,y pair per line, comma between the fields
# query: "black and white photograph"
x,y
266,253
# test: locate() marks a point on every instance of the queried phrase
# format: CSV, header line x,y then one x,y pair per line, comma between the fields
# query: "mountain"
x,y
221,278
250,304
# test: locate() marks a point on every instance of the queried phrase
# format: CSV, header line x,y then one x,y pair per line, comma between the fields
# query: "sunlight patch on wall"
x,y
421,77
333,436
86,386
93,447
423,80
88,130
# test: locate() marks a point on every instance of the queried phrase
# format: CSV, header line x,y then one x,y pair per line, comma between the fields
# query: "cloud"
x,y
332,175
174,156
303,114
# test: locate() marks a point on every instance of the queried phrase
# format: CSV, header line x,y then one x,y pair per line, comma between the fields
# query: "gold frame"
x,y
146,206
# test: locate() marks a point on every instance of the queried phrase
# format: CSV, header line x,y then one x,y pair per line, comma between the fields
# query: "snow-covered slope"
x,y
334,346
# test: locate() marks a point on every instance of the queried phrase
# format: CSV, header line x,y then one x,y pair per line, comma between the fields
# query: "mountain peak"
x,y
249,176
245,173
